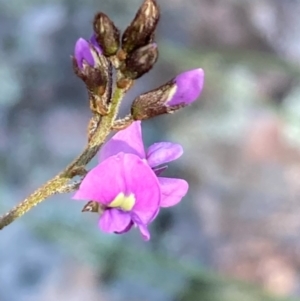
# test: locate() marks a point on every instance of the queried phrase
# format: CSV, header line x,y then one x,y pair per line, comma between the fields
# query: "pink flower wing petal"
x,y
114,220
143,183
173,190
163,152
142,227
144,231
127,141
104,182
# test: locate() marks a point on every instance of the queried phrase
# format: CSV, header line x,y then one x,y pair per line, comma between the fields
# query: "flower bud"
x,y
140,61
83,53
106,34
177,93
95,70
141,30
89,63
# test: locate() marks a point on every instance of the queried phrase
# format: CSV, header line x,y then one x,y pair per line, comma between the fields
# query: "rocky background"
x,y
236,236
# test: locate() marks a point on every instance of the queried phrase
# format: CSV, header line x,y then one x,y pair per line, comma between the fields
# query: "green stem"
x,y
57,184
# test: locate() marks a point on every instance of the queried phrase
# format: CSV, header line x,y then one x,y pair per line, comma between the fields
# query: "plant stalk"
x,y
60,181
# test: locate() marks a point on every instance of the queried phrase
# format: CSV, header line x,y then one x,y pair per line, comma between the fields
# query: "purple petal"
x,y
159,170
127,141
141,180
129,226
189,85
173,190
83,53
114,220
144,231
142,227
95,44
163,152
104,182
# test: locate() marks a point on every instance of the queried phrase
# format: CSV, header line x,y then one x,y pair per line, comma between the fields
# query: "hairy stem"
x,y
60,182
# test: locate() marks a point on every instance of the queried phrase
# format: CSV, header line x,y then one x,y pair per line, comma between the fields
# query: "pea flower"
x,y
130,141
126,183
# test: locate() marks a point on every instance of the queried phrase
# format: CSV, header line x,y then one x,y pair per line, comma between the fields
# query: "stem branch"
x,y
59,182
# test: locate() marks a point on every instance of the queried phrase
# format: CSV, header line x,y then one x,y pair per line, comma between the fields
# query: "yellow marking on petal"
x,y
128,202
117,202
123,202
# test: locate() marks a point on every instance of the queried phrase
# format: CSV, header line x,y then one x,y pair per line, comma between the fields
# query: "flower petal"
x,y
82,53
114,220
173,190
142,182
189,85
159,170
104,182
144,231
127,141
142,227
163,152
129,226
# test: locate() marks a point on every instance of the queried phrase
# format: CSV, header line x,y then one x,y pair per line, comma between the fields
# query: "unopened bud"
x,y
90,64
95,70
83,53
141,30
140,61
177,93
106,34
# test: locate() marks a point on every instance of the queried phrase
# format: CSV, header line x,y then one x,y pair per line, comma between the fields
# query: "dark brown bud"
x,y
140,61
155,102
141,30
107,34
177,93
93,77
152,103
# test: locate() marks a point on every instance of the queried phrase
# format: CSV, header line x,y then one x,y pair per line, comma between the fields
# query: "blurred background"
x,y
235,236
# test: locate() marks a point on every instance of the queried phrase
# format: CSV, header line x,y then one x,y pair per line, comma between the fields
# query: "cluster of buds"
x,y
132,55
138,46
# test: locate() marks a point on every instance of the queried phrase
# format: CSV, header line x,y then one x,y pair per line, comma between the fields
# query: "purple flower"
x,y
85,51
126,185
157,155
189,85
128,191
